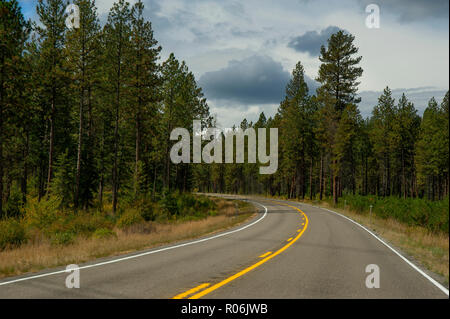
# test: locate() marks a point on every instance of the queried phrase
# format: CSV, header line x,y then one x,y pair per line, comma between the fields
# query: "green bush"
x,y
104,233
87,223
41,214
12,233
62,238
433,215
13,206
148,210
129,218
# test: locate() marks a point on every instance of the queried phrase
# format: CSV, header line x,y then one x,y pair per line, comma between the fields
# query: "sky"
x,y
242,53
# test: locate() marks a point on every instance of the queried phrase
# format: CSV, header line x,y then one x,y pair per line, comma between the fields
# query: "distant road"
x,y
290,250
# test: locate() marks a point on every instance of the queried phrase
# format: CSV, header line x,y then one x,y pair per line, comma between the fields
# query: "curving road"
x,y
290,250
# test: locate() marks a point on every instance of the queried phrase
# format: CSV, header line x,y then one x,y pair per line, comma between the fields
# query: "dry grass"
x,y
40,255
431,250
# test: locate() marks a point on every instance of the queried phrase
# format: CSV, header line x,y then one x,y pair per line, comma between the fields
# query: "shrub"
x,y
62,238
433,215
12,233
87,223
104,233
148,209
13,206
41,214
128,218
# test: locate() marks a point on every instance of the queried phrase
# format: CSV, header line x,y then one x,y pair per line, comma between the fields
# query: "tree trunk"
x,y
23,184
116,149
311,180
1,133
137,153
335,186
116,127
388,178
52,138
80,142
321,178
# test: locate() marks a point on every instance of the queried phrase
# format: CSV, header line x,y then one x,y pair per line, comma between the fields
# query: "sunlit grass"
x,y
41,253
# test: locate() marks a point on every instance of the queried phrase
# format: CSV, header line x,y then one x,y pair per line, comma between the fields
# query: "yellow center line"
x,y
289,239
259,263
264,255
191,291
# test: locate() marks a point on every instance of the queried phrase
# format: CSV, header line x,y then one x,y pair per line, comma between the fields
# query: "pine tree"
x,y
405,129
444,148
117,41
14,32
381,136
338,76
431,148
51,36
82,50
144,82
339,72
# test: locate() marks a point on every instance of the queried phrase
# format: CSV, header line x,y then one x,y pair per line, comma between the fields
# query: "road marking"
x,y
266,254
289,239
191,291
434,282
141,254
259,263
299,230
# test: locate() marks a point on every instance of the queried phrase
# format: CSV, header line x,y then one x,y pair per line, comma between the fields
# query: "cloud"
x,y
412,10
311,41
255,79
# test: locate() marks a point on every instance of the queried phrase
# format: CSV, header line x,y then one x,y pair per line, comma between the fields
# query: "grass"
x,y
429,249
42,252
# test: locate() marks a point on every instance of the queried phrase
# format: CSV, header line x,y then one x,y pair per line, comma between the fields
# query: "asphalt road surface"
x,y
289,250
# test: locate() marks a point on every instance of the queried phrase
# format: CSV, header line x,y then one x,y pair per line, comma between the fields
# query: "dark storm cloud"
x,y
311,41
257,79
412,10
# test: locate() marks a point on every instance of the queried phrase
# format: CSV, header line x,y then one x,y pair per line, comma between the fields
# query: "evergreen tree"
x,y
54,78
430,147
382,120
117,46
82,51
338,76
405,129
14,32
144,83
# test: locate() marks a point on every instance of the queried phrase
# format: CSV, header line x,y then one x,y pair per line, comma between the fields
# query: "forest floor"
x,y
34,257
427,249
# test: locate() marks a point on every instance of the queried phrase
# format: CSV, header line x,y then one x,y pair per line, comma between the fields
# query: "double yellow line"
x,y
246,270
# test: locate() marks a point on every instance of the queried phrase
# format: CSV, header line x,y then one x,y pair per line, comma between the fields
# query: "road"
x,y
289,250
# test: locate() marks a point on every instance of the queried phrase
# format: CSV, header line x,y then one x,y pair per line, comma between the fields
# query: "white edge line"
x,y
438,285
141,254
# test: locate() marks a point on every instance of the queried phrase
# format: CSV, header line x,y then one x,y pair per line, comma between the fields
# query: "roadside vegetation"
x,y
47,235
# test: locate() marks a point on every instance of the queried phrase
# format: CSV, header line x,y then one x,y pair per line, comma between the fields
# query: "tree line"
x,y
326,148
86,113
